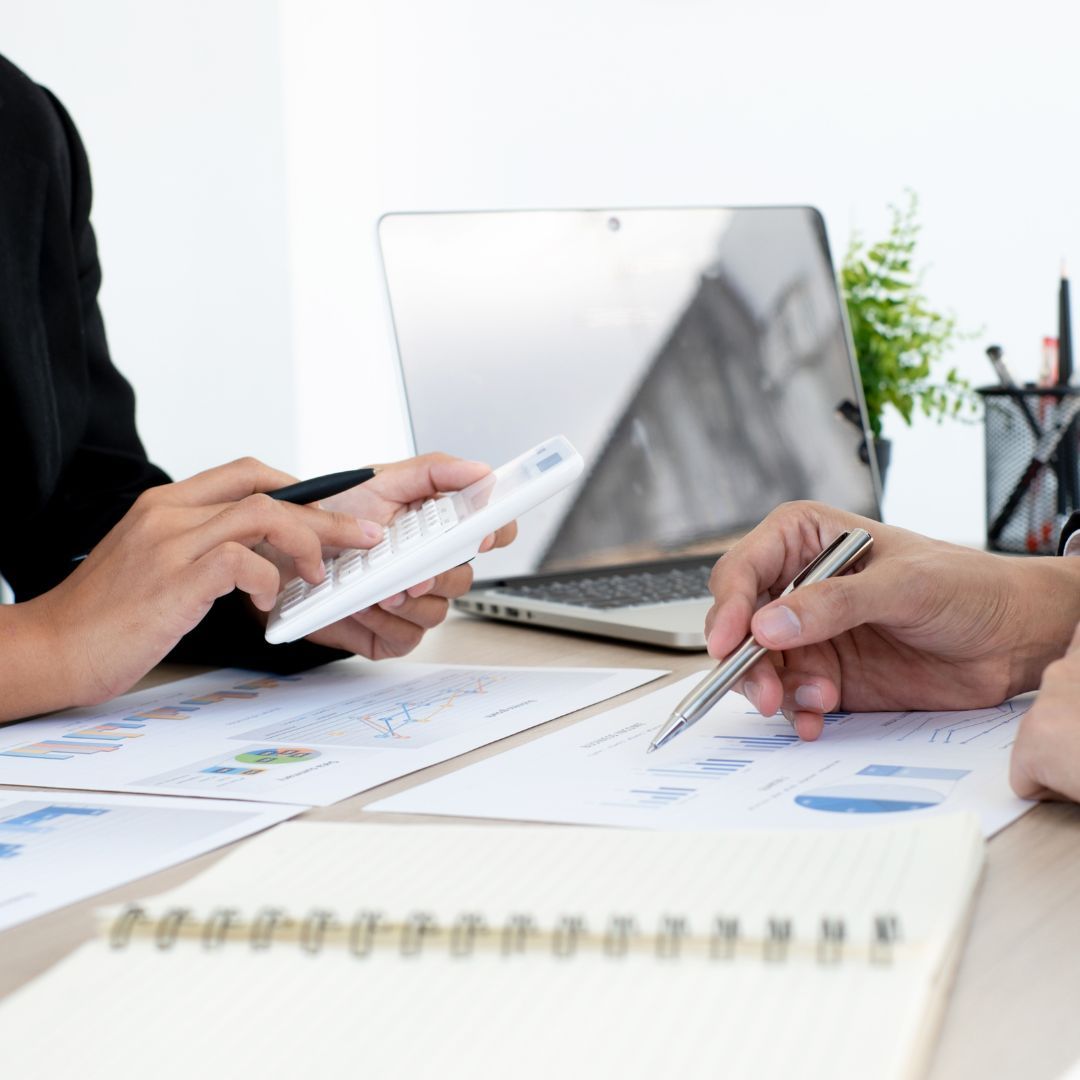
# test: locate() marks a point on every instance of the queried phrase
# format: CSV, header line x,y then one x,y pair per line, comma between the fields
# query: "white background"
x,y
242,151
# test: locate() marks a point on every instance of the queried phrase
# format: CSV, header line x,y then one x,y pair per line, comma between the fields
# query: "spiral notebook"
x,y
327,950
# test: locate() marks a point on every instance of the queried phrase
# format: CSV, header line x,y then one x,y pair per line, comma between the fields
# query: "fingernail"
x,y
809,696
778,624
371,531
750,691
394,601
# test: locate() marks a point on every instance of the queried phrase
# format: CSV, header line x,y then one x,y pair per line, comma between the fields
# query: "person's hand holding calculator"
x,y
439,513
396,624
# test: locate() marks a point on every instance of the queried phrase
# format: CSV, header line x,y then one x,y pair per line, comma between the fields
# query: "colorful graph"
x,y
35,822
888,793
413,715
869,799
394,722
101,738
277,755
58,750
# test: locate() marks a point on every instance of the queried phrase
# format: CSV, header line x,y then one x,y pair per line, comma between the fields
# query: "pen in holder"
x,y
1032,472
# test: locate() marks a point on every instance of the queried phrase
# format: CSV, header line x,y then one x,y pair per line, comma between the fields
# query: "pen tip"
x,y
651,748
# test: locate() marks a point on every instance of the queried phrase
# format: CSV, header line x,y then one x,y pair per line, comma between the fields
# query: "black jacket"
x,y
73,462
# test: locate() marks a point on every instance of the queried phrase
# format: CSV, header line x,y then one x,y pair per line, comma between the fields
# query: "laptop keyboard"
x,y
606,591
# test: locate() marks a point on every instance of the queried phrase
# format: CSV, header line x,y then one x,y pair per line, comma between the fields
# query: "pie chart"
x,y
277,755
869,798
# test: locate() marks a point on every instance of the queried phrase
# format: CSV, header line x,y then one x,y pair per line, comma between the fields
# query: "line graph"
x,y
412,715
990,728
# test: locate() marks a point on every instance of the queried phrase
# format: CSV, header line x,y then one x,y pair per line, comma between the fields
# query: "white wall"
x,y
211,261
179,106
492,103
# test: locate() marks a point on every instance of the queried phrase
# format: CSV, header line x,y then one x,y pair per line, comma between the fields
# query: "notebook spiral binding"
x,y
469,933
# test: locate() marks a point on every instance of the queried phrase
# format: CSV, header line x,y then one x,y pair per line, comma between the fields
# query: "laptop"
x,y
698,358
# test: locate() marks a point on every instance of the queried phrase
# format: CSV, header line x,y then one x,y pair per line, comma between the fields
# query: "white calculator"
x,y
419,544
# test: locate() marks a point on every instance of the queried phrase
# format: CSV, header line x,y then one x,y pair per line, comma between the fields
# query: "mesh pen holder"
x,y
1032,466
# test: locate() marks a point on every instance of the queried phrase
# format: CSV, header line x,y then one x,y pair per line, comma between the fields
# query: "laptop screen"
x,y
695,357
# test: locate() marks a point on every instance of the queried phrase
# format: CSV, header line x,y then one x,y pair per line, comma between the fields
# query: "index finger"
x,y
229,483
763,562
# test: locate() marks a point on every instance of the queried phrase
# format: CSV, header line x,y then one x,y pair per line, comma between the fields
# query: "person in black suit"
x,y
113,567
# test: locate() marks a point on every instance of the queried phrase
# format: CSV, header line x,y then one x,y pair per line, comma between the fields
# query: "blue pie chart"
x,y
869,798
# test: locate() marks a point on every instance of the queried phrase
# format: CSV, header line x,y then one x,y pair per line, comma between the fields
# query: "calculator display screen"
x,y
508,478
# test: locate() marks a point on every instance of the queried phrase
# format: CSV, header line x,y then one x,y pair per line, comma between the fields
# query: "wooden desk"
x,y
1014,1006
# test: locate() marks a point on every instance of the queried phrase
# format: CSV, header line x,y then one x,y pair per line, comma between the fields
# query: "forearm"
x,y
1049,604
35,676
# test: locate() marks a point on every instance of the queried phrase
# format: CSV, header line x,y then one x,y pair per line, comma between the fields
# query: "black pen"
x,y
322,487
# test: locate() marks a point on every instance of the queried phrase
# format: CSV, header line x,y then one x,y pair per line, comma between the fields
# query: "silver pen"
x,y
846,550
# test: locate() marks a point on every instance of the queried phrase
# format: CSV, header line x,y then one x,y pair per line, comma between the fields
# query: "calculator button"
x,y
409,541
292,589
320,590
292,602
346,573
349,564
380,555
447,513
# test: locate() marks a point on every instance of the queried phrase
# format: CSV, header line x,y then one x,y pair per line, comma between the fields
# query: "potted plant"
x,y
900,340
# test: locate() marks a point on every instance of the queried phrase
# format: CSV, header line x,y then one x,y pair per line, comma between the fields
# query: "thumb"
x,y
427,475
815,613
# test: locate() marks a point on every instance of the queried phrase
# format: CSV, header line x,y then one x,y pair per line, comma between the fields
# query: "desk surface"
x,y
1013,1008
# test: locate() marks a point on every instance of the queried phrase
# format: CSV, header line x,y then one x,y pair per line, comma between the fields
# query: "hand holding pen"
x,y
921,624
842,554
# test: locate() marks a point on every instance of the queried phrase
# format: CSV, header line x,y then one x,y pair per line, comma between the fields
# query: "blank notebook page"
x,y
281,1011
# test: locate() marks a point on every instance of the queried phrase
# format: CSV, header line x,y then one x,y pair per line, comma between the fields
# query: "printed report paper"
x,y
57,847
735,768
309,739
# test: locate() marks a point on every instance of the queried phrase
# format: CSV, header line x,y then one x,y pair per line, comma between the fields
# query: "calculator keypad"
x,y
407,531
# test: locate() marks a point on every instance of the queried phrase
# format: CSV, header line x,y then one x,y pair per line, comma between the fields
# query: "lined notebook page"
x,y
921,872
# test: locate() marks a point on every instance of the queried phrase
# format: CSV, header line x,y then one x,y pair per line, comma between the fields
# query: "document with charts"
x,y
737,768
308,739
57,847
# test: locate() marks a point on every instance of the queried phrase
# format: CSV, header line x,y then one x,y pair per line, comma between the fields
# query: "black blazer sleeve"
x,y
73,457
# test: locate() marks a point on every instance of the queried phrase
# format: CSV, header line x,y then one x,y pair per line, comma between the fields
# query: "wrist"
x,y
38,675
1048,591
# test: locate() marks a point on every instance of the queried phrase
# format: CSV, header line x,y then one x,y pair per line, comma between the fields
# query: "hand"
x,y
157,573
1046,758
920,624
395,626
